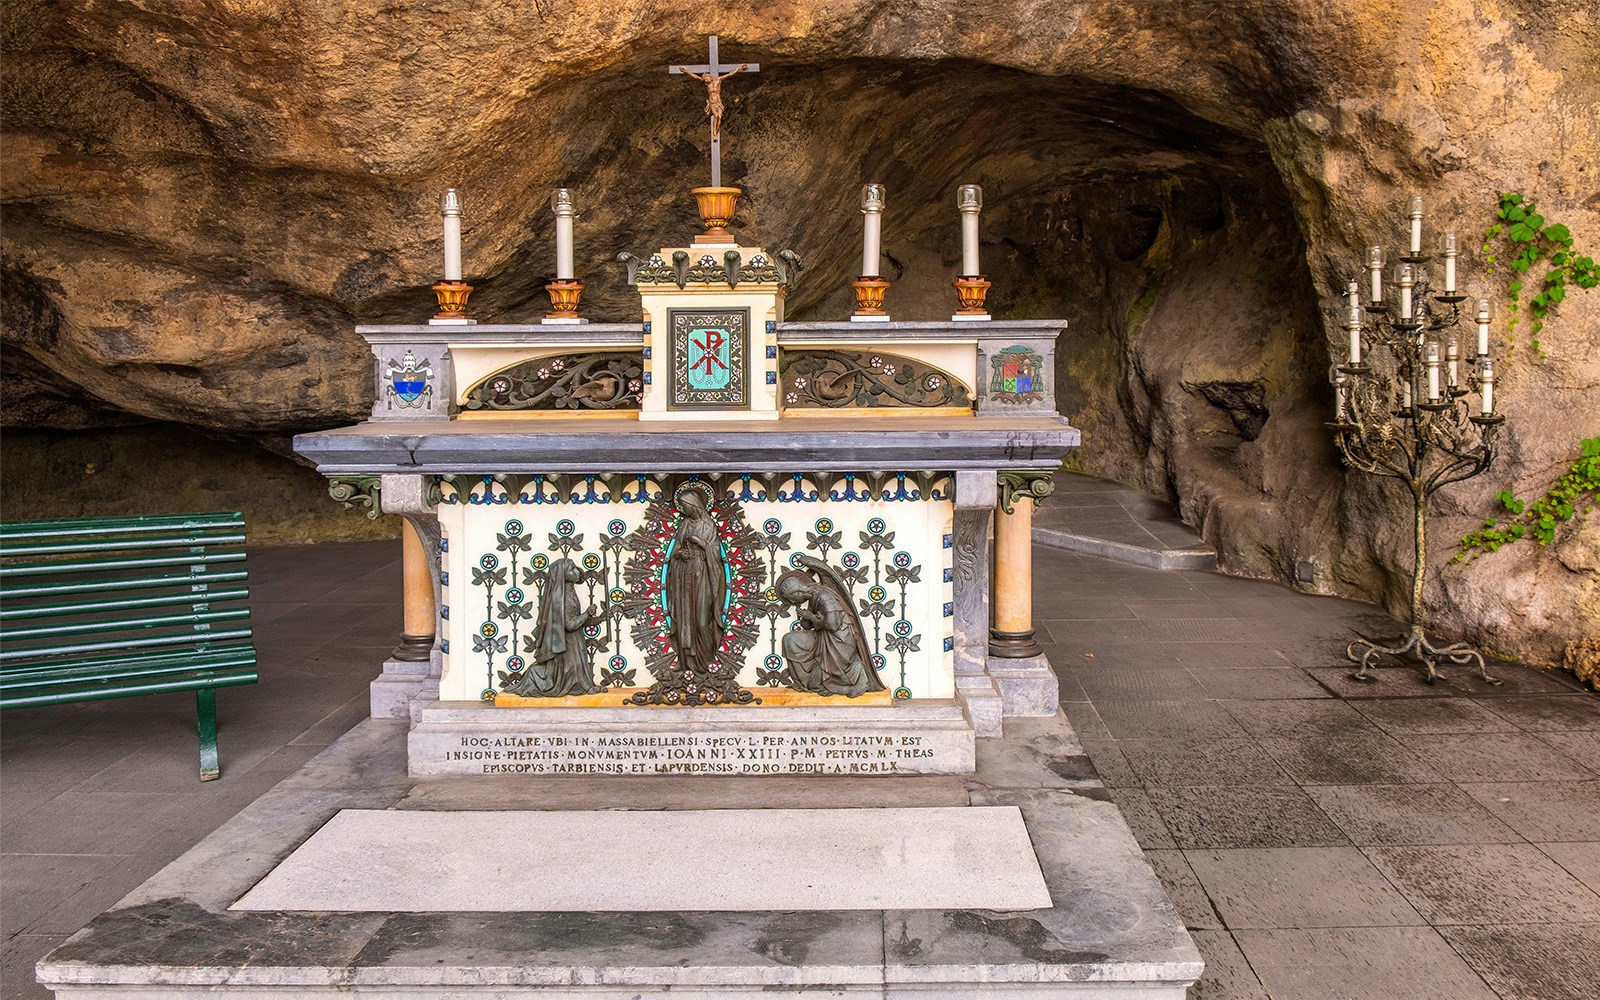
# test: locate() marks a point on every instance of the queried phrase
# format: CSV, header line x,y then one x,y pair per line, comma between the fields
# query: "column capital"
x,y
1024,484
358,490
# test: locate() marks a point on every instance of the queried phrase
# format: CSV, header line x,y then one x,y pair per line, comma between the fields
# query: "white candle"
x,y
969,199
1450,251
450,211
1416,225
566,209
872,198
1486,387
1433,373
1353,321
1452,360
1338,396
1375,270
1483,327
1405,395
1407,281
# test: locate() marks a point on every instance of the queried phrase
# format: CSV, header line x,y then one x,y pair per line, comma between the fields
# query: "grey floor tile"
x,y
18,955
1582,749
1336,677
1132,720
1581,859
92,823
1215,816
1422,716
1188,608
1505,883
1555,962
1086,723
1199,656
1410,814
1360,963
36,884
1184,630
1228,975
1147,825
1373,757
1260,683
1083,609
1089,634
1123,656
1183,889
1544,810
1303,718
1472,757
1201,762
1103,684
1299,887
1557,713
1110,764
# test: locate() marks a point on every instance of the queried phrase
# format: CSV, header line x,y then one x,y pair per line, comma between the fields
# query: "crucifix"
x,y
712,74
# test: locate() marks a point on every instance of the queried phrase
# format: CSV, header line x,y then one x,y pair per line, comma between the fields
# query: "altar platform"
x,y
1105,927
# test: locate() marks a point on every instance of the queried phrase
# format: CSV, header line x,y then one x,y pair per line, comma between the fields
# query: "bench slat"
x,y
128,583
203,679
96,565
13,551
127,624
69,678
160,640
79,527
196,597
233,654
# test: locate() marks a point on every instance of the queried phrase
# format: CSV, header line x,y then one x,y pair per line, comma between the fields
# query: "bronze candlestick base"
x,y
716,211
564,296
869,295
452,297
971,289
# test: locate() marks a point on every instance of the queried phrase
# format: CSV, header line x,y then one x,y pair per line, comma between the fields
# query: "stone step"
x,y
1101,518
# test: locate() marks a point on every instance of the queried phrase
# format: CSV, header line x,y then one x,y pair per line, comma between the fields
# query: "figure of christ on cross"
x,y
712,74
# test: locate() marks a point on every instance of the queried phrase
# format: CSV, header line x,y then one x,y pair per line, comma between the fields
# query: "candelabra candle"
x,y
1486,386
969,199
1407,281
1452,358
1449,251
1353,321
1416,225
1483,327
566,209
1433,373
450,212
1405,395
1338,396
1375,272
872,201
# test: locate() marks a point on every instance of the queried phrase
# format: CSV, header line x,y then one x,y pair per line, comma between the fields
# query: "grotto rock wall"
x,y
201,200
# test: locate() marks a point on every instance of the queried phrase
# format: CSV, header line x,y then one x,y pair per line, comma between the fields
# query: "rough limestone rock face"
x,y
202,200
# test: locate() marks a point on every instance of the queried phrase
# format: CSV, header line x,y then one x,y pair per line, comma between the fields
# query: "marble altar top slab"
x,y
738,860
578,444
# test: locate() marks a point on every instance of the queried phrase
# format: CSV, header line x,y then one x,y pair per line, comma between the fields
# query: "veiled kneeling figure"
x,y
560,664
828,654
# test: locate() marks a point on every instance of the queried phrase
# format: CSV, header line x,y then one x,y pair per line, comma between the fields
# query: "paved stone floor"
x,y
1322,838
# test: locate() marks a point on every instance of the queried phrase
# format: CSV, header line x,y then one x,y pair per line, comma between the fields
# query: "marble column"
x,y
1020,670
411,674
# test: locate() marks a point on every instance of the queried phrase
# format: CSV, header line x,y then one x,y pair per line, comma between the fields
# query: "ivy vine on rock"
x,y
1539,519
1531,240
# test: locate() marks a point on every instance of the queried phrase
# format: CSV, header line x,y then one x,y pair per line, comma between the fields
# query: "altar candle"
x,y
1452,360
1407,281
1375,270
1433,373
969,199
1448,247
450,211
872,198
1486,387
1483,327
566,210
1353,321
1416,225
1338,396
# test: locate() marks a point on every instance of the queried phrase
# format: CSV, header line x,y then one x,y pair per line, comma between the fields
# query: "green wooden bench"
x,y
113,607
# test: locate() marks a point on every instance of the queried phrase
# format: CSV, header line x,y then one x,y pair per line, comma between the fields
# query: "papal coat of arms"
x,y
410,382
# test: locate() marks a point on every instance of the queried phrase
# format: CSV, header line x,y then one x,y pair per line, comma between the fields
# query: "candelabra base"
x,y
1421,649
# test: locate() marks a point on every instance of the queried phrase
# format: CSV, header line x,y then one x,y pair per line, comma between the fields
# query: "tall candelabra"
x,y
1403,409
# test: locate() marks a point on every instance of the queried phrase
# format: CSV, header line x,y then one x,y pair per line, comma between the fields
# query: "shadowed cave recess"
x,y
188,246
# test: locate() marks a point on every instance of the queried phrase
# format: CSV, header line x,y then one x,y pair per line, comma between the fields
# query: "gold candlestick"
x,y
971,290
716,211
869,296
452,297
564,296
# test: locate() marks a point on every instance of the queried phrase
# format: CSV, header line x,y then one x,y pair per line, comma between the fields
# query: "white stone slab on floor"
x,y
366,860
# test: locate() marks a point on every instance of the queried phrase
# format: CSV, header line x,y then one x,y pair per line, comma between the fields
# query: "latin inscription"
x,y
699,753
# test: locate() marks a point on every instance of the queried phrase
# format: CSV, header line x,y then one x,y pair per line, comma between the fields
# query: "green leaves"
x,y
1524,232
1541,518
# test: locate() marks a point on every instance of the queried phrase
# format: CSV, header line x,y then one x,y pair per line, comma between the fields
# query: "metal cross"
x,y
712,74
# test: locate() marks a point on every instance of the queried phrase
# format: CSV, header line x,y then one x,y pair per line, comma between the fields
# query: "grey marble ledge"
x,y
989,329
573,445
502,334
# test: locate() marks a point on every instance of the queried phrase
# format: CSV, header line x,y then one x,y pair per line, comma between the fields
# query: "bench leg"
x,y
206,703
